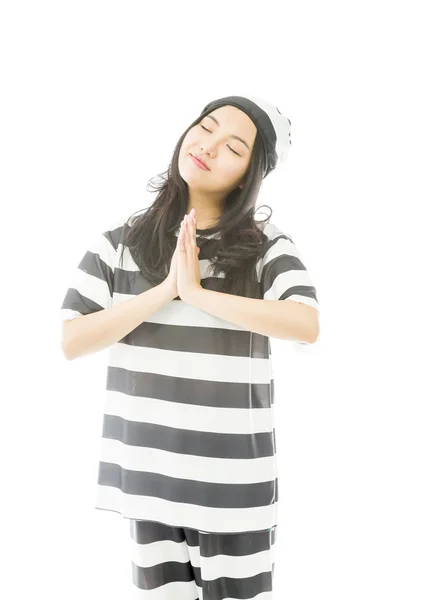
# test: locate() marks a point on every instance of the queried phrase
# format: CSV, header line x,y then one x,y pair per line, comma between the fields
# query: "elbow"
x,y
66,348
311,325
313,335
65,352
67,343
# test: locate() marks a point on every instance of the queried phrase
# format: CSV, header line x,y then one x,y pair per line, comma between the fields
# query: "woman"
x,y
180,296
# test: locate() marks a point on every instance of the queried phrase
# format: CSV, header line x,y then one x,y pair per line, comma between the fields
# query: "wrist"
x,y
193,295
168,290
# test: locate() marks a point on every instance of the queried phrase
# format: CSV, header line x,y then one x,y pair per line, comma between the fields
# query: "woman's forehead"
x,y
234,120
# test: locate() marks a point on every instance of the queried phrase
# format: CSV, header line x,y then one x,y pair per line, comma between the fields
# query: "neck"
x,y
207,213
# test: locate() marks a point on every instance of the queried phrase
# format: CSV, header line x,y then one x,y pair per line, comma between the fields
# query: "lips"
x,y
199,162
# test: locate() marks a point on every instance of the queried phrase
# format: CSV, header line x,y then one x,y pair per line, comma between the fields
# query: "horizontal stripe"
x,y
187,465
195,516
150,544
185,441
202,493
188,332
192,415
211,383
192,390
168,576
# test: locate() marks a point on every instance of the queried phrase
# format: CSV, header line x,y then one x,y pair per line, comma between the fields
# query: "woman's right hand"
x,y
172,277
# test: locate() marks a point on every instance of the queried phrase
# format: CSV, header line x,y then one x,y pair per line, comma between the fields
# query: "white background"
x,y
94,97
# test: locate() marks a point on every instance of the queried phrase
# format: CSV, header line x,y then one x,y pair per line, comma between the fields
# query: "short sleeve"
x,y
91,285
284,276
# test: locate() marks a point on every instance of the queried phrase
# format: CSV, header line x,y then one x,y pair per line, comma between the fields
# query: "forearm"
x,y
96,331
287,319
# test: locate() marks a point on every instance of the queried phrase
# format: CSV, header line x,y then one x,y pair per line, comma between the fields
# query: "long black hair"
x,y
151,238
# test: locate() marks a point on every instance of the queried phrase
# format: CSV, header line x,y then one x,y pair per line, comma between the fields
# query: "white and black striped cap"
x,y
274,128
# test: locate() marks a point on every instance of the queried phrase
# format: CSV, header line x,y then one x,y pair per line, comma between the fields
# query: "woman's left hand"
x,y
188,276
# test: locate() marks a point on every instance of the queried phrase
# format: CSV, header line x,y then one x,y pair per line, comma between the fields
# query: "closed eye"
x,y
228,146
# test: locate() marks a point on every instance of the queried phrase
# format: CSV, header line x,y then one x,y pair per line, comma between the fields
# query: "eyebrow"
x,y
236,137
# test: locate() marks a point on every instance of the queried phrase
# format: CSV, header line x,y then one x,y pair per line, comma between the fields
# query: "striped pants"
x,y
175,563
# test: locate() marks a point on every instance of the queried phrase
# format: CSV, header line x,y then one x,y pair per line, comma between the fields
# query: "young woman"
x,y
186,296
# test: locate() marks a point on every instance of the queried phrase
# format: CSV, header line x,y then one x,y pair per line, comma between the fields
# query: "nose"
x,y
207,147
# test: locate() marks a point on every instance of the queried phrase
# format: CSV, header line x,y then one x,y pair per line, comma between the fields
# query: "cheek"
x,y
189,139
232,169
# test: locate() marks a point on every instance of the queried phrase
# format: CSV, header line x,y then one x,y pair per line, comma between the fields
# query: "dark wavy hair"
x,y
151,238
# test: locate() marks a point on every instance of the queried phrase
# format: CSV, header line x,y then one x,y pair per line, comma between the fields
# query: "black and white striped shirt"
x,y
188,430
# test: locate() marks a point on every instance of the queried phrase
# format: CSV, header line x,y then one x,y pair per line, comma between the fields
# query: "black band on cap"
x,y
261,120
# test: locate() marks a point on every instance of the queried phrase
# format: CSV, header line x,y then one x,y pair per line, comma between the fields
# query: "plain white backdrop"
x,y
94,98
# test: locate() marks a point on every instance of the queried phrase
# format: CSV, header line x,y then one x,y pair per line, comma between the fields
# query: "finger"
x,y
193,233
188,244
181,238
179,243
189,231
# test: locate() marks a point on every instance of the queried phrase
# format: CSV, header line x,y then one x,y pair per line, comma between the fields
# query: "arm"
x,y
96,331
287,319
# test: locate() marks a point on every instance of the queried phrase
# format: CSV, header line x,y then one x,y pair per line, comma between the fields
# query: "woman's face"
x,y
213,140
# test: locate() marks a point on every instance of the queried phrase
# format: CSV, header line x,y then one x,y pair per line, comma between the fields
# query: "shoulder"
x,y
273,232
120,221
115,229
